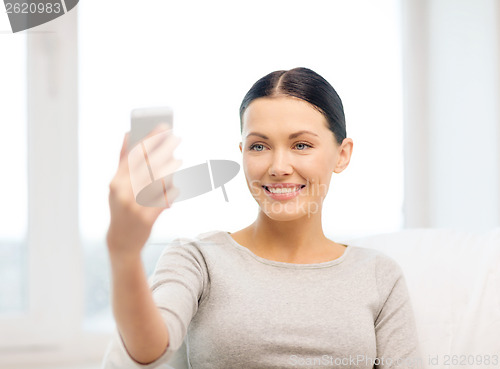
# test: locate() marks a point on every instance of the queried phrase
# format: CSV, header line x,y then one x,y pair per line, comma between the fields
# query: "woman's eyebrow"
x,y
293,135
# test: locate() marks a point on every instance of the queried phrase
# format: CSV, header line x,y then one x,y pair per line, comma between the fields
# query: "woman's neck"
x,y
297,241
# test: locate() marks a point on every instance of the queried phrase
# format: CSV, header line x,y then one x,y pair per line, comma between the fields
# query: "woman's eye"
x,y
256,145
303,144
259,147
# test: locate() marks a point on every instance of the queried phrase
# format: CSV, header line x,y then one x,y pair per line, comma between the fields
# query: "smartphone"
x,y
144,120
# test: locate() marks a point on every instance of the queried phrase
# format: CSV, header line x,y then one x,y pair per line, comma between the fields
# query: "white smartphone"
x,y
144,120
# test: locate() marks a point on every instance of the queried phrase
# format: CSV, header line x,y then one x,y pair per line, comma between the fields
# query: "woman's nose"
x,y
280,164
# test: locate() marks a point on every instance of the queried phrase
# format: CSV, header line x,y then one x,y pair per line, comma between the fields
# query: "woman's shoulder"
x,y
368,252
380,261
198,243
195,239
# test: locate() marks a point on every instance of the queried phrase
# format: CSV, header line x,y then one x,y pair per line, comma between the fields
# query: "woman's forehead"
x,y
284,114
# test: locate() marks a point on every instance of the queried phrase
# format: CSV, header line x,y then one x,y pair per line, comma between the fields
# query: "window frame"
x,y
51,329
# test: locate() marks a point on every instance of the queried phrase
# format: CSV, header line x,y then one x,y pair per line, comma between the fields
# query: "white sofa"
x,y
453,279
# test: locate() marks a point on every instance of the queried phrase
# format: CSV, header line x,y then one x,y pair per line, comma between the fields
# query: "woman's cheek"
x,y
316,187
253,179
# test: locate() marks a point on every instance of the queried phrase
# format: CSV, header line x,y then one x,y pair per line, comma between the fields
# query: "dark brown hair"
x,y
305,84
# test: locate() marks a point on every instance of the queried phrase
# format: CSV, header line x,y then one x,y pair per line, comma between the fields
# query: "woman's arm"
x,y
138,320
395,328
141,327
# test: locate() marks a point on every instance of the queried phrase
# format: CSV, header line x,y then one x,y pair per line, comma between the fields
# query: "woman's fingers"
x,y
153,160
150,158
148,167
171,195
148,186
131,223
161,159
162,200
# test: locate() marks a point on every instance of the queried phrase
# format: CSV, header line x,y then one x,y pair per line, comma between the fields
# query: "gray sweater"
x,y
238,310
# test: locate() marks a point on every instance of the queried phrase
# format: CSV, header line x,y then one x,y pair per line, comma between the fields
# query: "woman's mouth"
x,y
283,193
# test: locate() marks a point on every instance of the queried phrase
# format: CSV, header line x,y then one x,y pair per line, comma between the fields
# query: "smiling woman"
x,y
299,119
243,299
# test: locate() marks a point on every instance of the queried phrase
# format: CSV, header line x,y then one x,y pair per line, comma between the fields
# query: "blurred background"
x,y
420,83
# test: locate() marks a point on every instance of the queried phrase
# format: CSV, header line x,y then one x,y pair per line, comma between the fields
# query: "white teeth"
x,y
283,190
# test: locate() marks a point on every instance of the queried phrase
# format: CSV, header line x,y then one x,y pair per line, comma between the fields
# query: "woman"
x,y
278,293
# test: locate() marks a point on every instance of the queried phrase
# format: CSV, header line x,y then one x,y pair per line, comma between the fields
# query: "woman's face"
x,y
278,152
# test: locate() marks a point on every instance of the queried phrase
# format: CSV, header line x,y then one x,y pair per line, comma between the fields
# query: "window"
x,y
13,186
42,285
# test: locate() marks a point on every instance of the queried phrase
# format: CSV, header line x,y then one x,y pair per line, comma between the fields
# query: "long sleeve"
x,y
395,328
178,284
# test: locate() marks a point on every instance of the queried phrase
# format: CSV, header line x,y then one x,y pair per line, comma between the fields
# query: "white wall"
x,y
452,114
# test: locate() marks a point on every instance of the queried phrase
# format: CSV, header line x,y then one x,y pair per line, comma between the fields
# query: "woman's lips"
x,y
283,196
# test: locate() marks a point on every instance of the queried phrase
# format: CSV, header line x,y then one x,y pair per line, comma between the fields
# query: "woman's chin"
x,y
285,215
293,209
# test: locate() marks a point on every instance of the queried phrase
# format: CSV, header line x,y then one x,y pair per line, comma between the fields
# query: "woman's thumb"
x,y
124,150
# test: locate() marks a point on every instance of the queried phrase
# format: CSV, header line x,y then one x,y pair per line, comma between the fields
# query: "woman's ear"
x,y
344,155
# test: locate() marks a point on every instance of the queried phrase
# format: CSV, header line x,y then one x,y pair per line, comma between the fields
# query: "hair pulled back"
x,y
307,85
